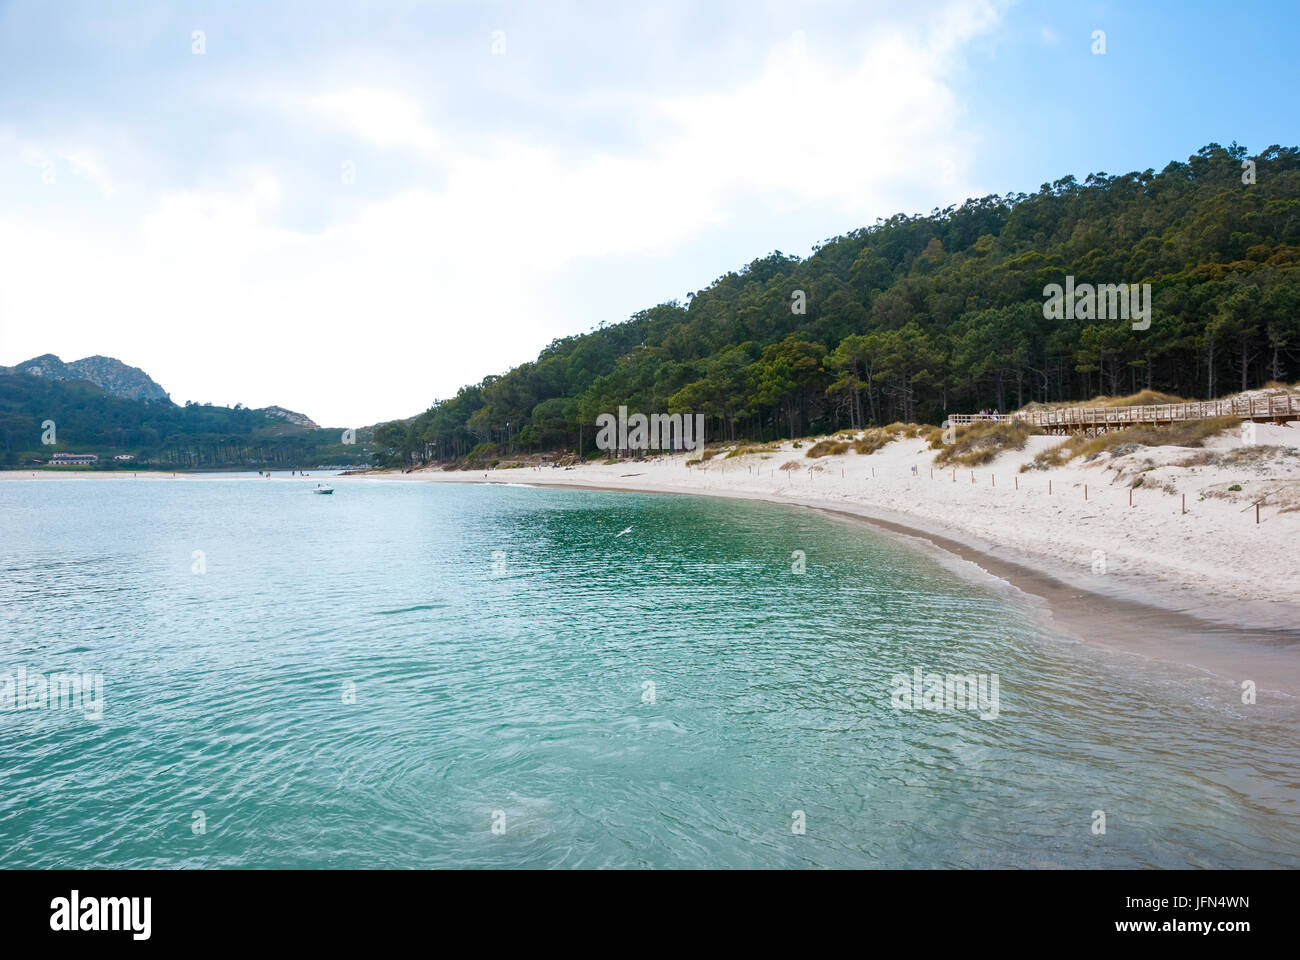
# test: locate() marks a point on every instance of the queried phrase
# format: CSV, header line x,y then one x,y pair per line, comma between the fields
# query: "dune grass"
x,y
870,440
827,448
1190,433
980,442
705,455
1143,398
746,449
873,439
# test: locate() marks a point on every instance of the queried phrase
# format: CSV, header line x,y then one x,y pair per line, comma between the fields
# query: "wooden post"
x,y
1085,491
873,473
1130,496
1049,488
954,474
1257,511
1017,483
993,477
1184,503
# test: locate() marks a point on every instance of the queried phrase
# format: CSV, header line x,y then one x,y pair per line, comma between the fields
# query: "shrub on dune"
x,y
1188,433
980,442
872,440
827,448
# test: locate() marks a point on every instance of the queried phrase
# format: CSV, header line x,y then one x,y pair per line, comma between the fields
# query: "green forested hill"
x,y
918,315
157,433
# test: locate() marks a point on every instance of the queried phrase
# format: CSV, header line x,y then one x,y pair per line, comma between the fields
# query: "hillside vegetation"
x,y
918,315
157,433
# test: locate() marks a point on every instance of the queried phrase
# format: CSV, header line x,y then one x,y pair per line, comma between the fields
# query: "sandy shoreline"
x,y
1209,588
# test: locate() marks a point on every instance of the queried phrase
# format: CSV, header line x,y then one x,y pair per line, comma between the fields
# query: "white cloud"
x,y
421,291
386,118
81,161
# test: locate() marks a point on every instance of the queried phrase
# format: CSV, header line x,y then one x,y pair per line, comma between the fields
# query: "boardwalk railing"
x,y
1276,407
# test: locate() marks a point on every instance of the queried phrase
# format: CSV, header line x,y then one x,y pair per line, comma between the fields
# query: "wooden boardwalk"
x,y
1276,408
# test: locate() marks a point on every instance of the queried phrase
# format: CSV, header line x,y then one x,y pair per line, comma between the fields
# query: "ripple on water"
x,y
373,690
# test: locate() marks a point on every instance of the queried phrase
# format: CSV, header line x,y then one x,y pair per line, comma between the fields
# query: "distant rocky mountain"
x,y
130,383
298,419
112,376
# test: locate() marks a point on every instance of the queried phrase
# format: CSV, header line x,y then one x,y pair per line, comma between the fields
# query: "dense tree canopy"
x,y
919,315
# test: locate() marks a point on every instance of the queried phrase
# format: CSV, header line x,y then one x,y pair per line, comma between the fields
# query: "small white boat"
x,y
322,488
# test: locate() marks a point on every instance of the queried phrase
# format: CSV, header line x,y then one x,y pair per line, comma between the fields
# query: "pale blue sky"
x,y
352,209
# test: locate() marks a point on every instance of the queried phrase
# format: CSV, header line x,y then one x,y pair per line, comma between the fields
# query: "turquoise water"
x,y
512,690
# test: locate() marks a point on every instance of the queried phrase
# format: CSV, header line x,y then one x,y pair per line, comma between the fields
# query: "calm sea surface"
x,y
381,677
